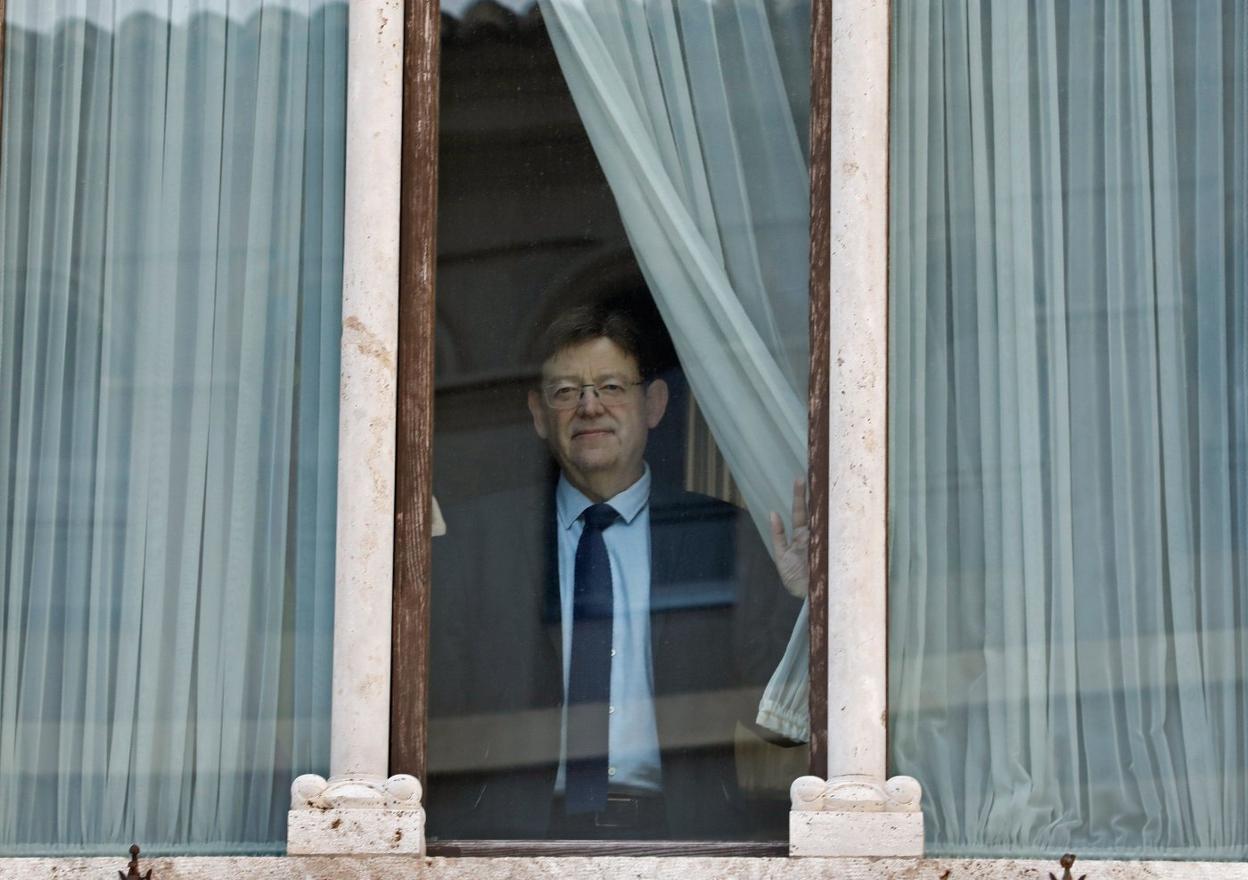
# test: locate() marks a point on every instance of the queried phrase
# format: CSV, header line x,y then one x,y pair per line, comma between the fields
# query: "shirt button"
x,y
610,710
610,771
613,652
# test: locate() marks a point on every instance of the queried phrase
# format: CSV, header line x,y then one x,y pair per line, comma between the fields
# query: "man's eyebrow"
x,y
576,380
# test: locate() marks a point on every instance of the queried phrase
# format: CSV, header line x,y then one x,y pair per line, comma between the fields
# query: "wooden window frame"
x,y
414,440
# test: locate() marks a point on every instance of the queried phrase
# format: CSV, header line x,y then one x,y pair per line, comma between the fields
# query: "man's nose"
x,y
590,403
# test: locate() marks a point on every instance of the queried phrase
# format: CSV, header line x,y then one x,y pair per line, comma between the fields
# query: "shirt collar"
x,y
570,502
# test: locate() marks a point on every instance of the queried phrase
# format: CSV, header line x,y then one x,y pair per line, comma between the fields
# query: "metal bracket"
x,y
1067,862
133,873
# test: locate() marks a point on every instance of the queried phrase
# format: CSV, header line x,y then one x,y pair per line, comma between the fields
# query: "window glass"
x,y
170,237
1069,425
621,371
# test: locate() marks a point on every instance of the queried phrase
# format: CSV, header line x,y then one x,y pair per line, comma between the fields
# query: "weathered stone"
x,y
609,868
855,833
352,831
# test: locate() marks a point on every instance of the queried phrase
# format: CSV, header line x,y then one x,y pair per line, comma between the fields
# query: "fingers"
x,y
800,520
779,542
799,503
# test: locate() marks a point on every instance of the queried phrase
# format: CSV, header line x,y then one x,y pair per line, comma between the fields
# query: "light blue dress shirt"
x,y
633,737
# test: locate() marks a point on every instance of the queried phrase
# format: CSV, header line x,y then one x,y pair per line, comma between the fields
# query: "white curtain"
x,y
170,237
698,114
1069,424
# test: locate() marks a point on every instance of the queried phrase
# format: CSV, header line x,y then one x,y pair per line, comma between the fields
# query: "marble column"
x,y
857,810
359,809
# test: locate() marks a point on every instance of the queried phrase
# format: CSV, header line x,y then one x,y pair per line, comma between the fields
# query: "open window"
x,y
654,157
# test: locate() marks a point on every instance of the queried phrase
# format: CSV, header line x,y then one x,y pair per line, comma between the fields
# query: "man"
x,y
596,643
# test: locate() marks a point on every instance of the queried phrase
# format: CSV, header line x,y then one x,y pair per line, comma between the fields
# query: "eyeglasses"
x,y
567,395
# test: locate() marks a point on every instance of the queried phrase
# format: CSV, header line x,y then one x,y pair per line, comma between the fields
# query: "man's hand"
x,y
791,556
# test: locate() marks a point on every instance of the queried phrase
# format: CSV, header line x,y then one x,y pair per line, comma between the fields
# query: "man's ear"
x,y
656,402
537,409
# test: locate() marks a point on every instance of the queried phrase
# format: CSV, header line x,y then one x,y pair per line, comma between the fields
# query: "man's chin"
x,y
593,464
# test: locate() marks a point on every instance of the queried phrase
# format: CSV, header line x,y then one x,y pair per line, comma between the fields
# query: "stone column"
x,y
857,811
358,809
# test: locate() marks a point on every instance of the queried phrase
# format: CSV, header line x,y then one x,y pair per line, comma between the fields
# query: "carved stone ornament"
x,y
355,815
312,792
856,794
856,816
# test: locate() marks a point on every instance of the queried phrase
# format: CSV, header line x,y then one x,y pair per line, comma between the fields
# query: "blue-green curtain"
x,y
1068,547
170,274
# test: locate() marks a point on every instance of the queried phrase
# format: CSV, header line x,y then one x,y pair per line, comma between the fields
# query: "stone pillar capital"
x,y
856,794
355,814
856,815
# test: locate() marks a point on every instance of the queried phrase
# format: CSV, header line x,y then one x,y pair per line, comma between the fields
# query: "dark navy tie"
x,y
589,671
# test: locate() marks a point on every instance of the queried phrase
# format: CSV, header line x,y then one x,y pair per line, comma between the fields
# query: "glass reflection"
x,y
622,215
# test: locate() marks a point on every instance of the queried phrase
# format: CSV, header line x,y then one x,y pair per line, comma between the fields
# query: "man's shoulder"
x,y
504,500
506,521
671,504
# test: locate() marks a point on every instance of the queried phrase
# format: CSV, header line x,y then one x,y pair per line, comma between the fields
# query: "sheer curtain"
x,y
1069,425
698,113
170,237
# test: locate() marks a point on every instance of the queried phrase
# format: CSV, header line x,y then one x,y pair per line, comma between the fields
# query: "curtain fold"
x,y
698,115
1068,474
170,226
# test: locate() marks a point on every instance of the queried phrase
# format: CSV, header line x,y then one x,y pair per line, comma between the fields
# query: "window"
x,y
275,148
169,317
1068,474
1067,439
537,260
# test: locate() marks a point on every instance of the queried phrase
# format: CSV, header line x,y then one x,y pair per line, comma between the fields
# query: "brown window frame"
x,y
414,441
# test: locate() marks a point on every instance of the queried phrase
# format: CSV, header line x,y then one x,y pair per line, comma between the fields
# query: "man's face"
x,y
599,446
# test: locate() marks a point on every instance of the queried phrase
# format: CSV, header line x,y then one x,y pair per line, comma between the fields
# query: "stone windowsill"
x,y
607,868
